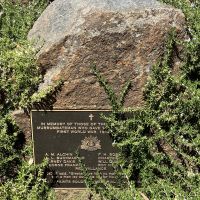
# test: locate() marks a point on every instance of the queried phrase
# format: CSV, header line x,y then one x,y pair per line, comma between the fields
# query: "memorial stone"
x,y
123,38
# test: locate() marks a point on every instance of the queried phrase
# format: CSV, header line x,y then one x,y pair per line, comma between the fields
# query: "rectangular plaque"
x,y
57,135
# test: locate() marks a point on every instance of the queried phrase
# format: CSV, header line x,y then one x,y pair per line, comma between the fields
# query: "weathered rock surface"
x,y
123,38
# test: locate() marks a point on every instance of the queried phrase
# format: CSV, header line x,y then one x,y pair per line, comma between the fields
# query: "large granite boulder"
x,y
124,38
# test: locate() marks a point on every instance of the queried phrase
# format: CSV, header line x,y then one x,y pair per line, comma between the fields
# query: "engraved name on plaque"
x,y
57,135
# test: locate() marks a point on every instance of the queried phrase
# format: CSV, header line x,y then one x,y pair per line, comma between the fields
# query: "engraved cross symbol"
x,y
91,117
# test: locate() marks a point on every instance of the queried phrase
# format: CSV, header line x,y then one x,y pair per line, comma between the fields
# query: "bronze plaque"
x,y
57,135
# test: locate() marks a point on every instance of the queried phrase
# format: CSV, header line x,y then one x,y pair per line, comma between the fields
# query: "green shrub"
x,y
29,184
19,80
159,143
10,150
19,74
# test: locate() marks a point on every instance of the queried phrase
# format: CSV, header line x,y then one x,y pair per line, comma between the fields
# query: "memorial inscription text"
x,y
57,135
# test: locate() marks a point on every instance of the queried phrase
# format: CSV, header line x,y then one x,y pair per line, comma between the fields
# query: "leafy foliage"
x,y
29,184
19,74
159,143
19,79
10,151
190,56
